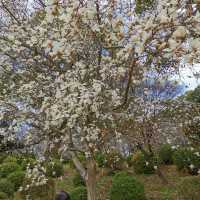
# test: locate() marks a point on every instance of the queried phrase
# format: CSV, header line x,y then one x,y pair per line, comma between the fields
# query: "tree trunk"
x,y
91,179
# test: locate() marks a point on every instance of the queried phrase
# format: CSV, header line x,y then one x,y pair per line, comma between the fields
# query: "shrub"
x,y
192,130
3,195
100,159
10,159
166,154
125,187
7,187
143,164
78,180
54,169
8,168
25,161
44,192
16,178
189,188
2,157
187,158
114,161
79,193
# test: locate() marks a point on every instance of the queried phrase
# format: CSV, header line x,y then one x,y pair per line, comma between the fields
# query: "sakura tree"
x,y
71,66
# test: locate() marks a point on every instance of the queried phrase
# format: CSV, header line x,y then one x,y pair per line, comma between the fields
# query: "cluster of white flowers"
x,y
35,176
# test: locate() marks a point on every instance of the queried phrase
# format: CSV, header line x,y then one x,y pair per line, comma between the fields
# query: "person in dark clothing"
x,y
62,196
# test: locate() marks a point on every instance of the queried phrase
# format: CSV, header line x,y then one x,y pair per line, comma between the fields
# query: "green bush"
x,y
10,159
54,169
16,178
79,193
188,159
143,164
2,157
125,187
100,159
142,5
40,192
166,154
3,196
189,188
8,168
78,180
25,161
7,187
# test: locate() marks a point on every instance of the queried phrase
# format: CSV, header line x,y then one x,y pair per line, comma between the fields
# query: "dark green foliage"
x,y
16,178
10,159
2,157
126,187
7,187
144,164
100,159
166,154
3,196
188,159
8,168
193,96
79,193
142,5
24,161
189,188
78,180
54,169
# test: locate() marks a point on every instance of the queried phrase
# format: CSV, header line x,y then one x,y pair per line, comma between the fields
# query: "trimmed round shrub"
x,y
166,154
54,169
100,159
126,187
79,193
3,196
143,164
16,178
7,187
189,188
78,180
8,168
187,159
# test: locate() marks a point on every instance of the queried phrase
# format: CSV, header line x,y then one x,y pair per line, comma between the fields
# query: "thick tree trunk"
x,y
91,179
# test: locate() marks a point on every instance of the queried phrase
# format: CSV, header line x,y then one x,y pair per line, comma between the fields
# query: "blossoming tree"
x,y
72,63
